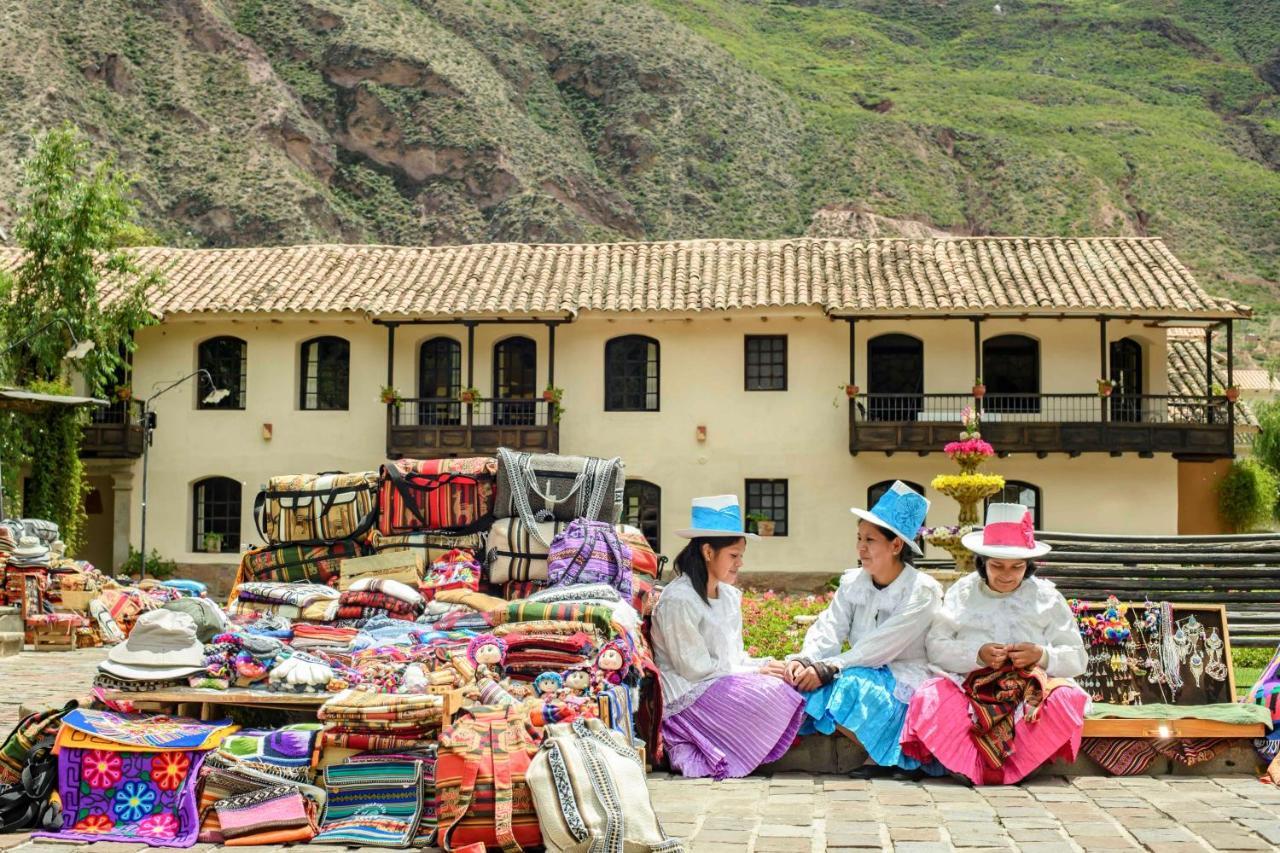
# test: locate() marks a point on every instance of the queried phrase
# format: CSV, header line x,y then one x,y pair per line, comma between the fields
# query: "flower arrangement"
x,y
1105,387
389,395
469,395
968,488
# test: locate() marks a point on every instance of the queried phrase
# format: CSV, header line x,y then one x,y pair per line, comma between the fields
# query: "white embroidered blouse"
x,y
884,627
972,615
695,641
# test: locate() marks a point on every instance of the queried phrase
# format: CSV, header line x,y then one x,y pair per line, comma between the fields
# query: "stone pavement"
x,y
805,813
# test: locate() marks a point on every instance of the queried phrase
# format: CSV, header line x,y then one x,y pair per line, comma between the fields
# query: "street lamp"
x,y
79,349
215,395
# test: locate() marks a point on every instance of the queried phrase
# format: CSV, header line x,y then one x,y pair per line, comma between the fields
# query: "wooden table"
x,y
203,703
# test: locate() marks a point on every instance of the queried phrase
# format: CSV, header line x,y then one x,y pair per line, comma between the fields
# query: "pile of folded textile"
x,y
364,720
309,601
368,598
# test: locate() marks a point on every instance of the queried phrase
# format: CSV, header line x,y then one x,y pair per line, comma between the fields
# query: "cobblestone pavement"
x,y
802,813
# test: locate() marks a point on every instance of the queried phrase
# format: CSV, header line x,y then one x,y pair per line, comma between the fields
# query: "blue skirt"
x,y
861,700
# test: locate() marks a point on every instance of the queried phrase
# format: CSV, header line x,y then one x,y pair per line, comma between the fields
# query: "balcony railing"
x,y
1186,426
114,432
428,426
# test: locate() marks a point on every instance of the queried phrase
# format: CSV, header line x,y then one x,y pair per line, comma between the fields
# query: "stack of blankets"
x,y
371,597
309,601
364,720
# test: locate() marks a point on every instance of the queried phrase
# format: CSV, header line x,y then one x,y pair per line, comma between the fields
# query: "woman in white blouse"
x,y
883,610
724,712
1001,619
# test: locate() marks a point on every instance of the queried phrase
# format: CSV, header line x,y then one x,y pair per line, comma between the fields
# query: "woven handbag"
x,y
480,779
454,495
518,552
549,487
589,787
315,509
590,552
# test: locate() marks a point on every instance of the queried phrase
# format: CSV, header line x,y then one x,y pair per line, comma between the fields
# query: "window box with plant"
x,y
469,395
212,542
553,395
390,396
760,524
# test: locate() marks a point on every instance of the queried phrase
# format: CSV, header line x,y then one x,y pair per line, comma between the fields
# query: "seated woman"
x,y
1010,646
883,610
725,713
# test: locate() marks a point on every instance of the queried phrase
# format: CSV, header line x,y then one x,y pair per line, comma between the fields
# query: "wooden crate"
x,y
55,637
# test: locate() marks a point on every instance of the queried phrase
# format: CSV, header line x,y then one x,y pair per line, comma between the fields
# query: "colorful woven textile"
x,y
267,816
457,569
531,611
139,731
1121,756
427,823
367,741
128,796
288,746
374,803
16,748
293,563
994,696
436,494
296,594
379,600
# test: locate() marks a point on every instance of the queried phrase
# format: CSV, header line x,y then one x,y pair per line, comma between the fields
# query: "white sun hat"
x,y
1008,535
718,515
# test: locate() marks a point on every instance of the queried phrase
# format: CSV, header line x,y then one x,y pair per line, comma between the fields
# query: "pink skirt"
x,y
938,726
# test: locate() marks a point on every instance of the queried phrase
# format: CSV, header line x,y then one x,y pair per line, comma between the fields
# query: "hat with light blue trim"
x,y
901,509
718,515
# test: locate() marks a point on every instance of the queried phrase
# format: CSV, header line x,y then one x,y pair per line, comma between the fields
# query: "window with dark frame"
x,y
515,370
216,509
1011,373
440,378
226,359
1020,492
631,377
642,509
326,372
876,491
766,360
769,498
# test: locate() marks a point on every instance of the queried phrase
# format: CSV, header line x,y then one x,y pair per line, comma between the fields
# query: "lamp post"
x,y
79,349
215,395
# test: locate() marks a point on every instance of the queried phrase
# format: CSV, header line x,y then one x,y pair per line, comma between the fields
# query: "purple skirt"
x,y
737,724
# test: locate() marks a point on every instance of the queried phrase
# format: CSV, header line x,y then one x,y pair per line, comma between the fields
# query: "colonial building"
x,y
709,366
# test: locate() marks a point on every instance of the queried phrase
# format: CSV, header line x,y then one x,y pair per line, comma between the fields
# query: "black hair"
x,y
981,563
889,536
691,563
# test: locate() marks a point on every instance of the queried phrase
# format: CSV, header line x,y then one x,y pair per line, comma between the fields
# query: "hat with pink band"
x,y
1008,535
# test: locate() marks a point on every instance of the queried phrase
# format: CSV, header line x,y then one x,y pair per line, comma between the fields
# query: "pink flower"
x,y
161,825
101,768
969,447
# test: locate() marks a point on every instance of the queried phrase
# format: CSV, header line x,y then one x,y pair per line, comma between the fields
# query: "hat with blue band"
x,y
718,515
901,509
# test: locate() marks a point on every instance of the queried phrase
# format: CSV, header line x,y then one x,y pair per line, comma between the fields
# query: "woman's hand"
x,y
775,668
993,655
1024,655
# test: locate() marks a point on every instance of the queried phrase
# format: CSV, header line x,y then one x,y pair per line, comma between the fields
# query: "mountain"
x,y
436,121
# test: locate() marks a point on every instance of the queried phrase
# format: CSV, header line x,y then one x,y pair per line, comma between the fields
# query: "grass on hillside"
x,y
770,630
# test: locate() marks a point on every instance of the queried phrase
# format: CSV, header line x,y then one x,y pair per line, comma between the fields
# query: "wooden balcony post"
x,y
853,377
551,370
1231,381
1105,366
1208,374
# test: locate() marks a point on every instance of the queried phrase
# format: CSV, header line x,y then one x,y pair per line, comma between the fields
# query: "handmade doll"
x,y
576,682
610,666
548,685
487,654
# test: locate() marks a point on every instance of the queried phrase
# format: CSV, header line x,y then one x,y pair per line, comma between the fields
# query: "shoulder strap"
x,y
401,484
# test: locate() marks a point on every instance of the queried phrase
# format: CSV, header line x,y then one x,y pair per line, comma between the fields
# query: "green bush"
x,y
1251,658
157,567
768,626
1266,445
1247,495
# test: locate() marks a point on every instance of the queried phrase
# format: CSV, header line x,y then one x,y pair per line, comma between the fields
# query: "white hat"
x,y
901,509
718,515
30,546
163,644
1008,535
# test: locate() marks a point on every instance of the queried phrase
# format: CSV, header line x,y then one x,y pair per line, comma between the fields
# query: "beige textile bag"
x,y
589,789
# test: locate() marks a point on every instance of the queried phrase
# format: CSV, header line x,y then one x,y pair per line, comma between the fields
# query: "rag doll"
x,y
487,654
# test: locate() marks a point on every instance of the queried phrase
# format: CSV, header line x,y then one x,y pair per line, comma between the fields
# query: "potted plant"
x,y
1105,387
1232,393
124,393
213,542
851,390
760,524
390,396
469,395
979,390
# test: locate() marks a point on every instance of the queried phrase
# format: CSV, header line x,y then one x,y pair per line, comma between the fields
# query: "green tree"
x,y
1266,444
1247,495
76,278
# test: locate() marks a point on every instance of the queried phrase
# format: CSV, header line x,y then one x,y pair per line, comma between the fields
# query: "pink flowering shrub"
x,y
767,626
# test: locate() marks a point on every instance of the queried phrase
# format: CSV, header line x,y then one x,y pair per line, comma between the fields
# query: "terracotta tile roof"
x,y
1186,375
1003,275
1255,379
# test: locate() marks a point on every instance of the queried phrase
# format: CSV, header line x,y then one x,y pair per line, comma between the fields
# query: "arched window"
x,y
895,377
631,374
642,508
226,360
876,491
440,378
326,372
1011,372
216,515
515,377
1019,492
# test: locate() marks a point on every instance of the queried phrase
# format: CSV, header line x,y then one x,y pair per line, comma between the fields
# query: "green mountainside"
x,y
435,121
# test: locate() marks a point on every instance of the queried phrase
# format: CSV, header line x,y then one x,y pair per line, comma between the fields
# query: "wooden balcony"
x,y
1189,427
419,428
114,432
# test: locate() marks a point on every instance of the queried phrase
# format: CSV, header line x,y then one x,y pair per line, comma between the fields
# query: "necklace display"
x,y
1154,645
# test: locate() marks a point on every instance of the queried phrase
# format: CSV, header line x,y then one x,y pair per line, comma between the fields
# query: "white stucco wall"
x,y
797,434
